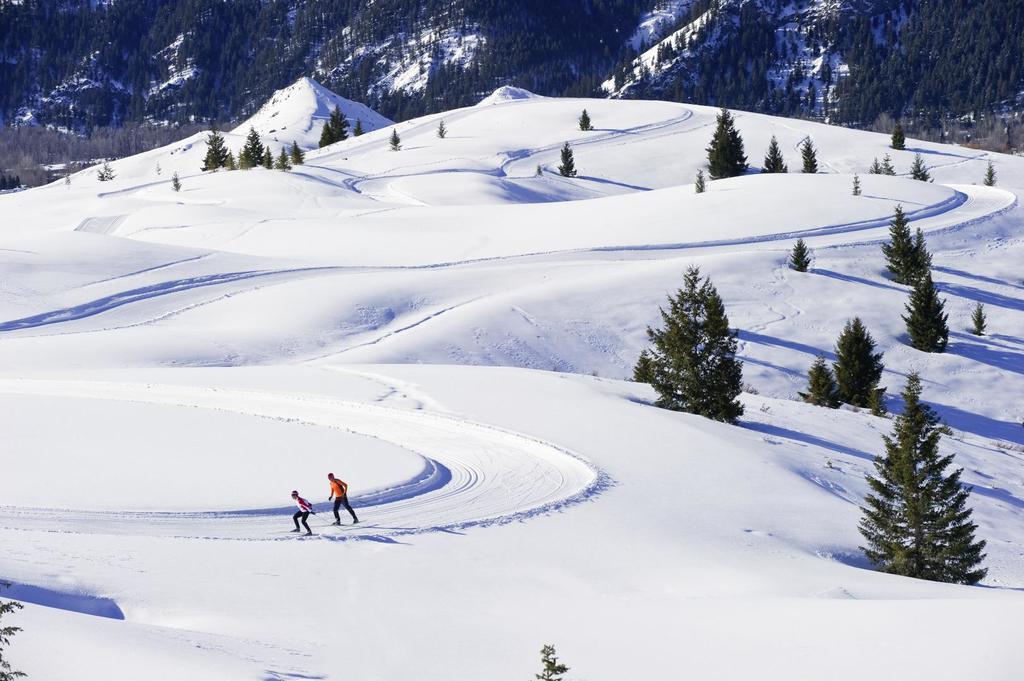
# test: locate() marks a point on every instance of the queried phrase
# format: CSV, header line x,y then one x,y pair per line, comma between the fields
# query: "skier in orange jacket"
x,y
339,492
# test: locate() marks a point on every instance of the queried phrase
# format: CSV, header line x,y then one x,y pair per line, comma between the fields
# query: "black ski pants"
x,y
304,515
343,501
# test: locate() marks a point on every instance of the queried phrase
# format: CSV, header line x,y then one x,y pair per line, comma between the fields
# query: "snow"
x,y
448,332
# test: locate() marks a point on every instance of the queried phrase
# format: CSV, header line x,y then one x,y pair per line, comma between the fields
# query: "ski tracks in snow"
x,y
473,474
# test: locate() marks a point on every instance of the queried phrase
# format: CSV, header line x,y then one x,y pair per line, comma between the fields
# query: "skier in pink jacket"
x,y
305,508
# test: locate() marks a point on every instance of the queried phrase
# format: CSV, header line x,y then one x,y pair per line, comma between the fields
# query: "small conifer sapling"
x,y
990,175
585,122
809,155
800,256
978,320
395,142
700,184
175,182
567,168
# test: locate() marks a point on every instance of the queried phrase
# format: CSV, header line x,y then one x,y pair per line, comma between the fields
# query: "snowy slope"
x,y
207,351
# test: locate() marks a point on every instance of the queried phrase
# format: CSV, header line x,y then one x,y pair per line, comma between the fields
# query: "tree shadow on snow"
x,y
762,339
807,438
977,277
980,296
986,353
856,280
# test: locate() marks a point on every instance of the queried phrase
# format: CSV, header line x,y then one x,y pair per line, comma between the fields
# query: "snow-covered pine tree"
x,y
283,163
395,142
585,123
887,166
773,161
692,360
918,170
821,386
105,173
856,185
442,130
899,252
916,521
175,182
899,139
926,318
857,367
978,320
876,168
800,256
216,151
990,175
700,184
567,168
6,632
296,157
726,157
552,669
809,155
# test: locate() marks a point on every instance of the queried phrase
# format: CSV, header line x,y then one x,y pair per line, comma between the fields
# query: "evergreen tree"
x,y
821,386
395,141
216,151
773,161
283,163
692,362
339,126
358,130
809,156
296,157
978,320
726,157
268,158
990,175
899,139
926,318
919,171
585,123
876,168
567,168
921,259
175,182
900,254
326,135
857,367
553,669
105,173
856,185
700,185
231,163
442,131
643,371
916,521
887,167
8,608
800,256
252,152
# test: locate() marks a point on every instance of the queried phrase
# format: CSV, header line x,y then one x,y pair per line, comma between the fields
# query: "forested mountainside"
x,y
82,63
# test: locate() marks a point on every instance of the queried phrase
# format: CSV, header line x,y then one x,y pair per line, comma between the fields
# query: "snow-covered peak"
x,y
298,112
507,93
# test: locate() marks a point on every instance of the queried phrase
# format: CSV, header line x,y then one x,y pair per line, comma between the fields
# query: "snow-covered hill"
x,y
448,330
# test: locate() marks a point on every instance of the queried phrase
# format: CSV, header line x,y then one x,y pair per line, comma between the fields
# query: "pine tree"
x,y
899,139
8,608
916,521
282,161
773,161
899,252
268,158
231,163
252,152
857,367
216,151
926,318
920,259
990,175
175,182
887,167
876,168
105,173
821,386
978,320
553,669
700,185
339,126
726,157
643,371
919,171
358,130
856,185
692,361
585,124
809,156
395,141
326,135
567,168
800,256
442,131
296,156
